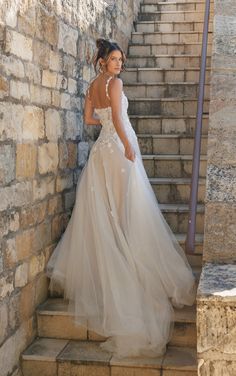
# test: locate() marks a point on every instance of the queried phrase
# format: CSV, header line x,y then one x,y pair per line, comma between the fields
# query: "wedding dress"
x,y
120,266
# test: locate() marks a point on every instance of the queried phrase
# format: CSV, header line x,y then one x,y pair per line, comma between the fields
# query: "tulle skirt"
x,y
119,264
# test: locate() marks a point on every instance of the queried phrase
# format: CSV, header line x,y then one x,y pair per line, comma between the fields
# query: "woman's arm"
x,y
115,93
88,112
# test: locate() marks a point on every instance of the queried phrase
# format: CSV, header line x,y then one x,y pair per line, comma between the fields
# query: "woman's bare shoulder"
x,y
116,83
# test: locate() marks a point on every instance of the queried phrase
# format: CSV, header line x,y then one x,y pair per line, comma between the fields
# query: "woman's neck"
x,y
107,74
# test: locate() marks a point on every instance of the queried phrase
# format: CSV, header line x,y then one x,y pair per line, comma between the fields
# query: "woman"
x,y
119,263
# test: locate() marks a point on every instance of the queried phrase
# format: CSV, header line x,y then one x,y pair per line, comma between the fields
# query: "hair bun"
x,y
101,42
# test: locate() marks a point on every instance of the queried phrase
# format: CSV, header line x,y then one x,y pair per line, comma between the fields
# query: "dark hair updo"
x,y
105,47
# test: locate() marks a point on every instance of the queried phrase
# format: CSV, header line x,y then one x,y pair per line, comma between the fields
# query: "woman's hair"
x,y
104,48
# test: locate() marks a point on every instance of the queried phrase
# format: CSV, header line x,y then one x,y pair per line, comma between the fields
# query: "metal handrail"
x,y
190,239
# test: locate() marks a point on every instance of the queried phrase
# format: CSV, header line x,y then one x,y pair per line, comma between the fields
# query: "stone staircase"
x,y
161,83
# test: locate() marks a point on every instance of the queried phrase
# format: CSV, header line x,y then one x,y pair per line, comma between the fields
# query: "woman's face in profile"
x,y
114,62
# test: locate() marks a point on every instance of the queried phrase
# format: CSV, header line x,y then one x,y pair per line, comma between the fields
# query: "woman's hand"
x,y
129,152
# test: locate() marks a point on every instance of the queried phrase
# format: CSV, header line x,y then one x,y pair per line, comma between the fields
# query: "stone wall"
x,y
216,299
45,65
220,215
216,320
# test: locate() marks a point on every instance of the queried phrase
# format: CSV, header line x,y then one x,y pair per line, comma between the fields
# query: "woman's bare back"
x,y
99,92
99,97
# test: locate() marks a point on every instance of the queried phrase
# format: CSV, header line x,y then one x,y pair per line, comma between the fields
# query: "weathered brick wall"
x,y
45,65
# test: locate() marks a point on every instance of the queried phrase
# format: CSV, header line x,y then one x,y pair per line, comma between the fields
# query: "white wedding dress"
x,y
118,262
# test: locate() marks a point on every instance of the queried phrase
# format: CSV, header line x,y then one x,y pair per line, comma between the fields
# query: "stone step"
x,y
162,75
195,258
184,335
176,216
152,5
165,106
152,26
165,90
167,49
55,321
59,307
176,190
172,15
164,124
166,61
171,144
172,166
59,357
165,37
181,237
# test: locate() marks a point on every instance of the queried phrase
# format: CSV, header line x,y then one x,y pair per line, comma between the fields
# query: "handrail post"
x,y
190,239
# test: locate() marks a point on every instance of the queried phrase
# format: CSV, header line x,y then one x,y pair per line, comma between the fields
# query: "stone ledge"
x,y
217,283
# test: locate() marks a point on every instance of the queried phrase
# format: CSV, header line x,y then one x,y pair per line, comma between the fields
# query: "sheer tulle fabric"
x,y
118,262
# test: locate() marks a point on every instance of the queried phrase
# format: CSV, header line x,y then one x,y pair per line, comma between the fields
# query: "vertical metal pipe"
x,y
190,239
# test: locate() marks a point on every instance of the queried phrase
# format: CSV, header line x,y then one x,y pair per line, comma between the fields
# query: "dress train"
x,y
120,266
